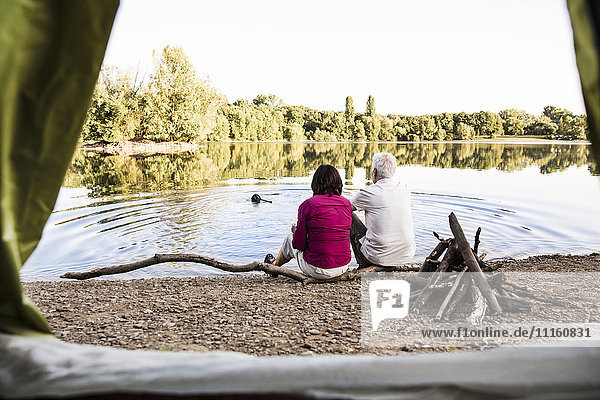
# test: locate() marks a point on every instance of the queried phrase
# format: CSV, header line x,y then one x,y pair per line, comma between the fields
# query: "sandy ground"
x,y
254,314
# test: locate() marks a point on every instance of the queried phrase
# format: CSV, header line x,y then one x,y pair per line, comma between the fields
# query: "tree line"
x,y
176,105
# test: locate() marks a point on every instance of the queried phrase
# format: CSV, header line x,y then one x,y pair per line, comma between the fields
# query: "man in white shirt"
x,y
388,238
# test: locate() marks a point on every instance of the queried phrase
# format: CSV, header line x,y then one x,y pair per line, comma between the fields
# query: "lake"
x,y
529,199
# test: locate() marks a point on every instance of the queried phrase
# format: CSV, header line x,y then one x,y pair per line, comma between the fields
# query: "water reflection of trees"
x,y
106,175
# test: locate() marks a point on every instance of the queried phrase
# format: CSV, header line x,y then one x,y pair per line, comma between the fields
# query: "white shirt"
x,y
390,238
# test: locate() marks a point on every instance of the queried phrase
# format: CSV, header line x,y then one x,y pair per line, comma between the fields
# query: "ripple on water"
x,y
223,223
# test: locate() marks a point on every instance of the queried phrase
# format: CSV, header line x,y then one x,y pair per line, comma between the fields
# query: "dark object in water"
x,y
257,199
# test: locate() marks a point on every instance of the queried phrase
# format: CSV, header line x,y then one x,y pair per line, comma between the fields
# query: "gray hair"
x,y
385,164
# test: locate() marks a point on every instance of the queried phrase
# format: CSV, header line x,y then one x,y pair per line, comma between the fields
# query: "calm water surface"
x,y
528,198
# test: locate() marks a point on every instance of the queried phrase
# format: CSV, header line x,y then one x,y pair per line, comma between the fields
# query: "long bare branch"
x,y
253,266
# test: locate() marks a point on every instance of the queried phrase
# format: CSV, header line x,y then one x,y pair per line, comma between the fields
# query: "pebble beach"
x,y
253,314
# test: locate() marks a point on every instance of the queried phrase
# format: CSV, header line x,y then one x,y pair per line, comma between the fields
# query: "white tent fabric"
x,y
47,367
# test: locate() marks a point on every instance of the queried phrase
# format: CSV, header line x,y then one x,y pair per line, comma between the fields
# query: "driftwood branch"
x,y
478,277
464,287
427,291
476,242
455,286
431,263
254,266
478,313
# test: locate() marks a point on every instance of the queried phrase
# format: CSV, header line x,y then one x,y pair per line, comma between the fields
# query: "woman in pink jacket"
x,y
320,241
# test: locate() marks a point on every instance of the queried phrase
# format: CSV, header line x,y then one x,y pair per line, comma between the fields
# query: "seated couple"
x,y
327,227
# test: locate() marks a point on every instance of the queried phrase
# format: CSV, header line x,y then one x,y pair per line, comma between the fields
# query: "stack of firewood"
x,y
448,281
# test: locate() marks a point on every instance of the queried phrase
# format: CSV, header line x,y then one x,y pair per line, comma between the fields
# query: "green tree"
x,y
268,100
542,126
445,125
349,107
116,109
359,131
440,134
387,132
349,118
370,106
462,117
423,126
239,117
514,121
293,132
569,126
400,127
222,130
489,124
464,131
184,107
102,113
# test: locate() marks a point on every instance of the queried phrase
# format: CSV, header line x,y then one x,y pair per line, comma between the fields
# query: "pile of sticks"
x,y
449,280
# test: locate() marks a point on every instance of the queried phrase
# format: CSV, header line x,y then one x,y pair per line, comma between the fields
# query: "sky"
x,y
414,57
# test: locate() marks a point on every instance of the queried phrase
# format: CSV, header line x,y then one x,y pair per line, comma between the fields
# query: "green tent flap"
x,y
50,57
585,21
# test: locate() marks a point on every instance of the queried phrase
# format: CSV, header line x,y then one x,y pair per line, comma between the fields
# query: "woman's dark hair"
x,y
326,180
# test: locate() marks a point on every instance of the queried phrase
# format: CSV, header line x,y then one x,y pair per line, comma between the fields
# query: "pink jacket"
x,y
323,230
